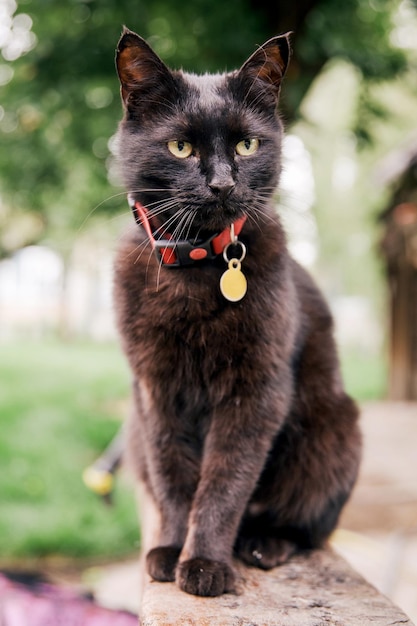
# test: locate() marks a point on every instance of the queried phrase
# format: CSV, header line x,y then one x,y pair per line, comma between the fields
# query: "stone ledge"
x,y
316,589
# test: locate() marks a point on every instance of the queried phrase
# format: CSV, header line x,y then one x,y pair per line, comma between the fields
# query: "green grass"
x,y
60,404
364,374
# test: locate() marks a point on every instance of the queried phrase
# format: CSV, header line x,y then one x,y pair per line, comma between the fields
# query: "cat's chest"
x,y
186,321
196,317
181,316
178,299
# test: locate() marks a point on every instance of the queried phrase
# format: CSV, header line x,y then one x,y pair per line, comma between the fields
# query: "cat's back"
x,y
314,309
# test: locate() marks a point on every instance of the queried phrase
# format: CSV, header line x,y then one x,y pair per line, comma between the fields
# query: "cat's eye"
x,y
247,146
180,149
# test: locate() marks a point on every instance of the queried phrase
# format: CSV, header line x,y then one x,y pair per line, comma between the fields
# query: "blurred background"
x,y
348,199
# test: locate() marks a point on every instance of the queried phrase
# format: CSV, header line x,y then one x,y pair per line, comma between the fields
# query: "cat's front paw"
x,y
202,577
161,563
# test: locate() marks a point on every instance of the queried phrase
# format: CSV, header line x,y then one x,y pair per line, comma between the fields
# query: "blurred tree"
x,y
358,31
59,101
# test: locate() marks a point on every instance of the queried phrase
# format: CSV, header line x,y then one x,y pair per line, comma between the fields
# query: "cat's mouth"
x,y
217,218
185,221
213,215
185,217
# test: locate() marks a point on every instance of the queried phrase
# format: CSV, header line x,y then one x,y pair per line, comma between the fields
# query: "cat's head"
x,y
200,151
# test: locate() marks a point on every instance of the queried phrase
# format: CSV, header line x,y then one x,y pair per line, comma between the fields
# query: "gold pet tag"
x,y
233,283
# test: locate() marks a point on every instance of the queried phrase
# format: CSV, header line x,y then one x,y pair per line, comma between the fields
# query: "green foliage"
x,y
60,405
355,30
61,107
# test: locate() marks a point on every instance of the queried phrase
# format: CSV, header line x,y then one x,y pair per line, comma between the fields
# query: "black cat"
x,y
241,431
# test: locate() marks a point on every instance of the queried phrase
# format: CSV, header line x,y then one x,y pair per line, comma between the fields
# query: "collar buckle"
x,y
184,253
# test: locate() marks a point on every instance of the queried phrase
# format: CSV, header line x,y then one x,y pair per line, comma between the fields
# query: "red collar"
x,y
183,253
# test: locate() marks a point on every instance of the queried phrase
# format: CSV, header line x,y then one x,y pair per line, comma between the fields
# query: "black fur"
x,y
241,429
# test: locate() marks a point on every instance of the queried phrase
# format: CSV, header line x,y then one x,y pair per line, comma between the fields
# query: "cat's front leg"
x,y
167,465
161,566
236,449
162,560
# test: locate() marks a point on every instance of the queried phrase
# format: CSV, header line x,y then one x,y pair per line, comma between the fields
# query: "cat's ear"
x,y
267,66
140,70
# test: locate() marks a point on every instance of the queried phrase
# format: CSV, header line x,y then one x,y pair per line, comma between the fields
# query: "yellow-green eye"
x,y
246,147
180,149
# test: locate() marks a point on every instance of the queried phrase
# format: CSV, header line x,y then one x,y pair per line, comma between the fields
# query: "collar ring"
x,y
234,244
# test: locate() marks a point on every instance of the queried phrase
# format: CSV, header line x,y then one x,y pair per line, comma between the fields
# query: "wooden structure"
x,y
315,589
312,589
399,247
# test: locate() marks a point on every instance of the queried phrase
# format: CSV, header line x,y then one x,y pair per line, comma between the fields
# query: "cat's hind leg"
x,y
262,543
310,471
265,551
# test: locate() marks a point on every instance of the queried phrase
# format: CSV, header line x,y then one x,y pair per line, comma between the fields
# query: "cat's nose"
x,y
222,186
